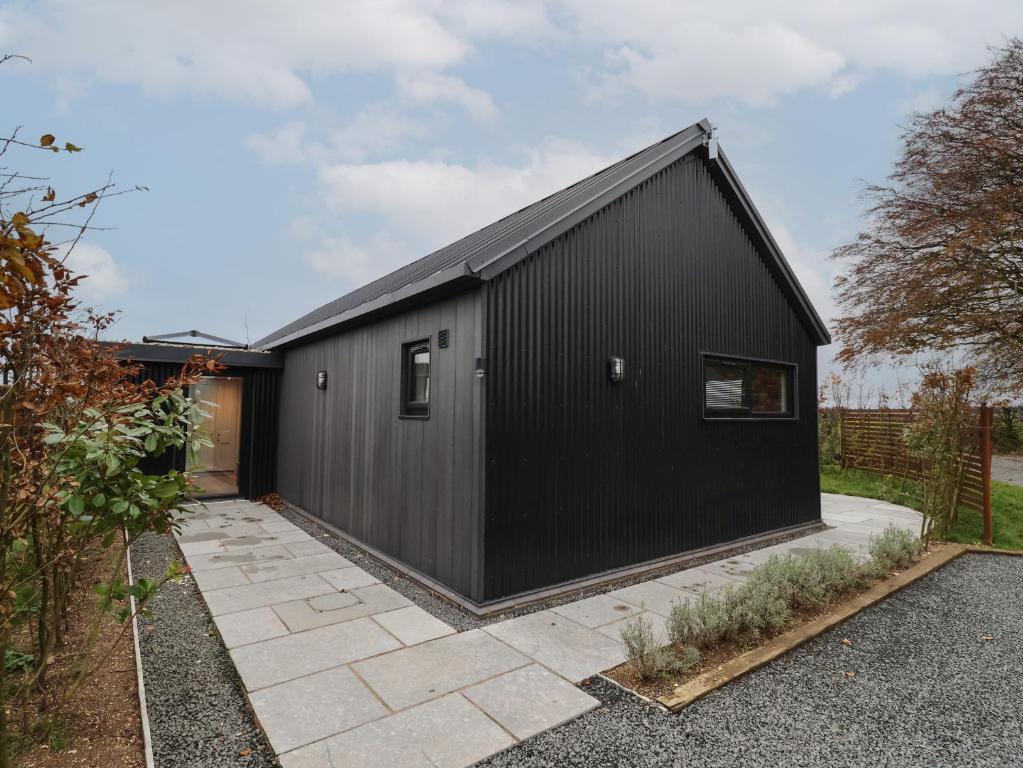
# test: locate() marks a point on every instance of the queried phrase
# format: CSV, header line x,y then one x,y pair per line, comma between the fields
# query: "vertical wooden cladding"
x,y
407,487
584,476
257,452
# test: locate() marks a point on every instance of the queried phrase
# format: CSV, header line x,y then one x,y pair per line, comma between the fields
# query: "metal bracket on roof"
x,y
217,340
710,141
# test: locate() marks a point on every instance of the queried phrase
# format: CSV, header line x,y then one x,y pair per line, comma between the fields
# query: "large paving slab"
x,y
246,596
572,650
596,611
423,672
250,626
530,700
285,658
337,606
653,596
449,732
699,581
412,625
311,708
299,566
211,560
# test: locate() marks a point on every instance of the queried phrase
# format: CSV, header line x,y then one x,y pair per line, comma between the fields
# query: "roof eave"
x,y
459,273
818,327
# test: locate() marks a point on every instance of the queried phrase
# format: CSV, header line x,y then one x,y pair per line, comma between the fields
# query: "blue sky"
x,y
292,155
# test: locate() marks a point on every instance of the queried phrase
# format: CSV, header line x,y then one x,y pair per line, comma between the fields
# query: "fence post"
x,y
841,435
986,423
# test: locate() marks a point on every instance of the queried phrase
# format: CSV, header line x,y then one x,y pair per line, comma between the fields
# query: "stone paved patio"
x,y
341,670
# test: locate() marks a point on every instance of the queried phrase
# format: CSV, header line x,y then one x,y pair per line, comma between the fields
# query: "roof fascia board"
x,y
436,280
176,353
505,255
760,227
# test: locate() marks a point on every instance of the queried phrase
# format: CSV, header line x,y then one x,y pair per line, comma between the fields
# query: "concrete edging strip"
x,y
147,737
700,686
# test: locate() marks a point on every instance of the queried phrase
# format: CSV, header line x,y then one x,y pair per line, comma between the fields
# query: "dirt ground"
x,y
101,727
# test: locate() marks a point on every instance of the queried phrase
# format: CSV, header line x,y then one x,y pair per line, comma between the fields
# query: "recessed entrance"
x,y
215,468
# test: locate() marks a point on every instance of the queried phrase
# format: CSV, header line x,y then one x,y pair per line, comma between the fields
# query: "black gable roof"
x,y
495,247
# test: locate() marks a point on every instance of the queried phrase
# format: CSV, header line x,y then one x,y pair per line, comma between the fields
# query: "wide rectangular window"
x,y
736,388
415,379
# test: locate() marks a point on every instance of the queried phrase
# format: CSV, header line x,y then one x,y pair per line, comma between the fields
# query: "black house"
x,y
242,415
616,377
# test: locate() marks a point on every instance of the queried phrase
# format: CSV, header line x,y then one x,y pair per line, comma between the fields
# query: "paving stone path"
x,y
341,670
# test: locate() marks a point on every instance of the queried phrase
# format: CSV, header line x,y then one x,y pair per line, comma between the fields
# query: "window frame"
x,y
414,409
747,413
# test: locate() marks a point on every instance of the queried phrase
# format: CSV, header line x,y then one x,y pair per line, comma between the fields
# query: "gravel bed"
x,y
198,713
458,618
1008,469
928,690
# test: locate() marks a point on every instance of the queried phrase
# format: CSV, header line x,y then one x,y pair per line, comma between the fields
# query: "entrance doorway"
x,y
215,468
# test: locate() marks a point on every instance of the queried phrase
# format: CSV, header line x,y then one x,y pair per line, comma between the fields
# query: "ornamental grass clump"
x,y
697,623
752,609
646,653
894,549
812,580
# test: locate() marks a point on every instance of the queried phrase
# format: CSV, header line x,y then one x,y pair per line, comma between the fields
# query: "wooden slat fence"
x,y
873,440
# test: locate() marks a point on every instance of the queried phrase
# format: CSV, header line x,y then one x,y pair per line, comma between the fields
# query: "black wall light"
x,y
321,379
615,369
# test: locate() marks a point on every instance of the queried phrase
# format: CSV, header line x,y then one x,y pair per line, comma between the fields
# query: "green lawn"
x,y
1006,503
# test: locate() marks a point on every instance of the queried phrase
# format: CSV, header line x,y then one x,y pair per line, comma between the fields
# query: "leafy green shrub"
x,y
838,569
697,623
893,549
644,651
812,580
753,608
797,580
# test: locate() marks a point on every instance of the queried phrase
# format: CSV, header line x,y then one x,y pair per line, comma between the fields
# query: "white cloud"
x,y
267,52
353,265
437,202
102,279
429,87
924,100
755,52
374,130
257,51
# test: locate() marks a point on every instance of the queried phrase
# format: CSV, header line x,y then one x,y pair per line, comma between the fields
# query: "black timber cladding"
x,y
583,476
407,487
260,373
545,475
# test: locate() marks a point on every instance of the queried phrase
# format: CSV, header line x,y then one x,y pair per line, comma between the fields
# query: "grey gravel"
x,y
198,712
460,619
1008,469
928,690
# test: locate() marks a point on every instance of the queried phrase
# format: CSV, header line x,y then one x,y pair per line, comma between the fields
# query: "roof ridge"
x,y
464,248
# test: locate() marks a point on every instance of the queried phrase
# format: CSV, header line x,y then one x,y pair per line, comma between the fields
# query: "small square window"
x,y
415,379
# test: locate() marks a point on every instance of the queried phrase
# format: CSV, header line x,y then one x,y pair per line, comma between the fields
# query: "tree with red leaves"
x,y
939,266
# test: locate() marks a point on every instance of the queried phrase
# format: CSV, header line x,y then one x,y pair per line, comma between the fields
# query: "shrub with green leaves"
x,y
698,623
645,651
797,580
810,581
894,549
752,609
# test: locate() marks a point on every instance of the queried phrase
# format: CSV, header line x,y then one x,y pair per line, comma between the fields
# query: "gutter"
x,y
436,280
